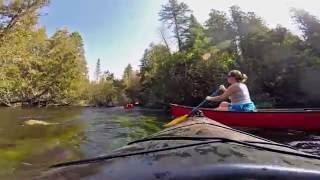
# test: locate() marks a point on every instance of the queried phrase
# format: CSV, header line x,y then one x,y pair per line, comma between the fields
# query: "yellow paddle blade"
x,y
176,121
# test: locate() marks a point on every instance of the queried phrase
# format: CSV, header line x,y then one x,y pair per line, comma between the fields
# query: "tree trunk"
x,y
177,32
164,40
6,104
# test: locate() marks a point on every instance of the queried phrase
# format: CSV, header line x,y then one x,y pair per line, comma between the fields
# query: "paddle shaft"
x,y
202,103
185,117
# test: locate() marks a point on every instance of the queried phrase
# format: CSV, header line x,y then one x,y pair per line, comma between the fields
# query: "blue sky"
x,y
118,31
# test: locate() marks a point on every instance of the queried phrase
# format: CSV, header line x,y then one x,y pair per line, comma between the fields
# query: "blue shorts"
x,y
247,107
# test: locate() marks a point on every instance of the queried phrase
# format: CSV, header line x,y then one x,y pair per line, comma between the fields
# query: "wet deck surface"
x,y
165,163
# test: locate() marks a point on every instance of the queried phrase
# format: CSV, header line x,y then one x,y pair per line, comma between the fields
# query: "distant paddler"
x,y
129,106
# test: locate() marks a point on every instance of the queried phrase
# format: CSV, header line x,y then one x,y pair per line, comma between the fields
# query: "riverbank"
x,y
160,107
164,109
79,104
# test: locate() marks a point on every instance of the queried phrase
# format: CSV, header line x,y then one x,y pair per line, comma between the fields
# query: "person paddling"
x,y
237,92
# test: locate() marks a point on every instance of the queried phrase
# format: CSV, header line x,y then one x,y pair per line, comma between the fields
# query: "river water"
x,y
26,151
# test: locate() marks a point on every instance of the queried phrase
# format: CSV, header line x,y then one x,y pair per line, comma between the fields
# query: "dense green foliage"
x,y
36,69
282,67
106,91
132,85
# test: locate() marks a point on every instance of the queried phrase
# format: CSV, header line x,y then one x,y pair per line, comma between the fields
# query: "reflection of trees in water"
x,y
27,149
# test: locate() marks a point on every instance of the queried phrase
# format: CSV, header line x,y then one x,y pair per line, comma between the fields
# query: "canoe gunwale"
x,y
304,110
285,119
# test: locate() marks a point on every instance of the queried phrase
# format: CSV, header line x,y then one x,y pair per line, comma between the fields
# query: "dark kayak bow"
x,y
196,149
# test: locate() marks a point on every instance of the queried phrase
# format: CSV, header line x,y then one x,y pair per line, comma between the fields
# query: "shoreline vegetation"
x,y
283,68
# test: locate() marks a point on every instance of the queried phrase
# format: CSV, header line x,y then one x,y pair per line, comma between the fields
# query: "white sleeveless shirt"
x,y
242,95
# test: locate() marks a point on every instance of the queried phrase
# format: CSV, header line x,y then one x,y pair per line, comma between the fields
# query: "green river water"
x,y
26,151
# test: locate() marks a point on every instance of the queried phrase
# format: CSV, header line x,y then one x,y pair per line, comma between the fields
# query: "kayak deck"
x,y
205,127
182,151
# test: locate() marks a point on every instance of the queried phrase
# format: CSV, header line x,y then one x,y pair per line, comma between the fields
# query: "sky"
x,y
118,31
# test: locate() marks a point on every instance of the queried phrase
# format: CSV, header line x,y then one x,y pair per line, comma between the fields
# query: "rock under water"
x,y
32,122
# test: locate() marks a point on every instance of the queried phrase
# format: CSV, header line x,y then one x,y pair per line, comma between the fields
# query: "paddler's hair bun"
x,y
238,76
244,78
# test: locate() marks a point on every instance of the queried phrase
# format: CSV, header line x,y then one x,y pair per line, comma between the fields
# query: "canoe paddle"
x,y
184,117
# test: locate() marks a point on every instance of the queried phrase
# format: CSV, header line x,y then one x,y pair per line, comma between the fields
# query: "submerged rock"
x,y
32,122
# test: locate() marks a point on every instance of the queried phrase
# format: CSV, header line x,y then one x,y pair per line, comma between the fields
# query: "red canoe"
x,y
305,119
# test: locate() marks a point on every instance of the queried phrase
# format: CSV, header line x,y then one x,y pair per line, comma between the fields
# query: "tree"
x,y
13,12
102,93
21,48
196,39
76,36
151,79
133,87
176,15
219,28
244,25
310,27
107,75
164,37
128,72
21,45
35,69
275,60
66,69
108,91
131,80
181,77
98,70
39,70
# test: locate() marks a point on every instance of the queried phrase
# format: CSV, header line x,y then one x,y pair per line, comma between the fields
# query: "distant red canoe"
x,y
304,119
129,106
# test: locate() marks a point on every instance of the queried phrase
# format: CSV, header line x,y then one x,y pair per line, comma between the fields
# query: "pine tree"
x,y
176,15
98,70
127,74
196,38
309,25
